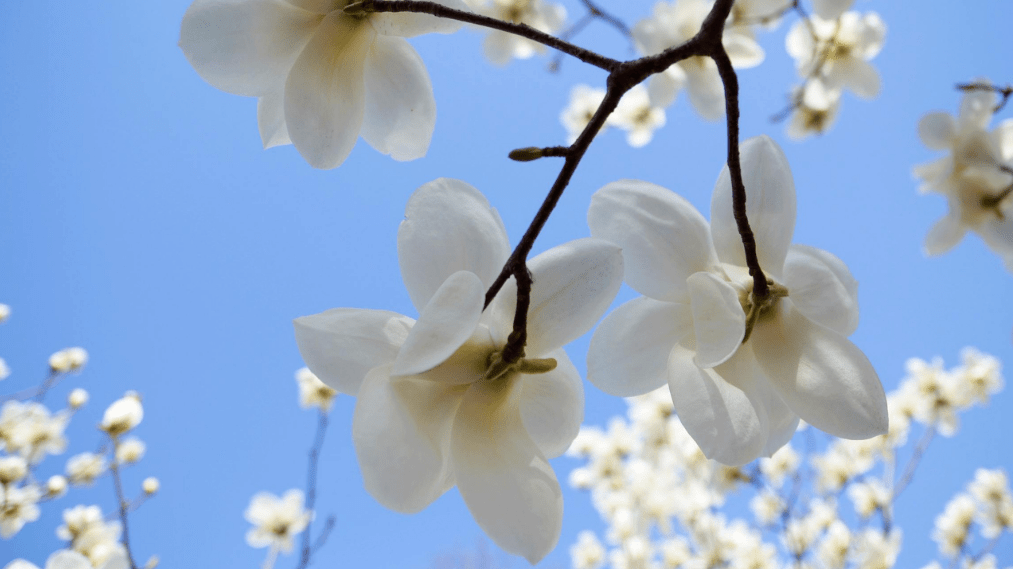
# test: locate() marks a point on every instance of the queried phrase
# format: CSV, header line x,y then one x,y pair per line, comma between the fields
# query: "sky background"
x,y
141,219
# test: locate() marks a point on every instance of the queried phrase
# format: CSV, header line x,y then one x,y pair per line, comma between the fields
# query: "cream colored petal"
x,y
944,235
831,9
400,111
820,375
706,91
719,322
505,480
271,119
857,75
663,87
822,288
742,50
552,405
446,323
401,430
341,345
245,47
410,24
937,130
325,92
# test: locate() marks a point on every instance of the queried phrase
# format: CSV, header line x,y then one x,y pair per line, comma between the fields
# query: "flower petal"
x,y
742,50
822,288
664,86
400,110
663,237
831,9
552,405
446,323
401,430
449,226
799,42
706,91
821,375
630,348
574,283
341,345
504,478
410,24
245,47
977,107
325,92
770,206
944,235
782,422
1003,136
716,406
67,559
937,130
271,119
718,320
855,74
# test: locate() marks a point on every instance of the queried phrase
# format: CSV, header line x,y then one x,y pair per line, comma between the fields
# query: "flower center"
x,y
759,309
498,368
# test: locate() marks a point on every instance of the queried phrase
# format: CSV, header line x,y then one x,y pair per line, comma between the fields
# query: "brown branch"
x,y
523,30
1005,92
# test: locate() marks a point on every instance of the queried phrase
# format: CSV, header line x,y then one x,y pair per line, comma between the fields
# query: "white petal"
x,y
933,173
799,42
117,560
504,478
552,405
782,422
341,345
400,110
1003,135
574,283
742,50
706,91
717,408
770,206
873,35
831,9
271,119
822,376
245,47
977,107
822,288
937,130
449,226
718,319
944,235
630,348
857,75
664,86
663,237
401,430
410,24
818,96
499,47
67,559
444,325
325,92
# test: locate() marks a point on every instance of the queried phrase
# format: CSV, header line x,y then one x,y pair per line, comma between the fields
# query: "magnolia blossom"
x,y
584,103
676,23
70,359
12,468
69,559
150,485
741,371
322,77
638,116
500,46
123,414
313,392
814,110
437,404
30,430
18,506
5,312
5,370
746,13
837,51
276,520
85,467
971,175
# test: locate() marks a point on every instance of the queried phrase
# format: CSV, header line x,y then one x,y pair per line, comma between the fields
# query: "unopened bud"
x,y
56,486
150,485
5,312
527,154
77,398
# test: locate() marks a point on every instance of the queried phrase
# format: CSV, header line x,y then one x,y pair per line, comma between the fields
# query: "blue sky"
x,y
141,219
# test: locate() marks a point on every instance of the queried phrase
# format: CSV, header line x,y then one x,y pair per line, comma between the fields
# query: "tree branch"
x,y
121,503
311,492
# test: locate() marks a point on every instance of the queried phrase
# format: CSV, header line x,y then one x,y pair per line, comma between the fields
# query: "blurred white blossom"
x,y
584,102
12,468
276,520
313,392
77,398
85,467
638,116
500,47
70,359
123,414
18,506
129,451
30,430
150,485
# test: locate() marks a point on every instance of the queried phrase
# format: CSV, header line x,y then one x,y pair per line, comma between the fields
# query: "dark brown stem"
x,y
522,30
122,504
1005,92
311,493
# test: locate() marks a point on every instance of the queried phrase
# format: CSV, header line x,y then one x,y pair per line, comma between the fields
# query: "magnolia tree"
x,y
738,340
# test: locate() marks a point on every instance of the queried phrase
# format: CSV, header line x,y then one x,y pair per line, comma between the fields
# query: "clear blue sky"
x,y
141,219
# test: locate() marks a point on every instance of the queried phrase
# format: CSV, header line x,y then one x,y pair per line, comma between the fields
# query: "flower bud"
x,y
150,485
5,312
70,359
56,486
12,469
77,398
130,451
124,414
4,370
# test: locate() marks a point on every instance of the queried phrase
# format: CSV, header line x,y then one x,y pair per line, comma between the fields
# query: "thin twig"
x,y
36,393
523,30
1005,92
613,21
311,488
122,504
912,463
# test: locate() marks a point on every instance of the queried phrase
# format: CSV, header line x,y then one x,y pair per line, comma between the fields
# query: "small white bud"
x,y
70,359
77,398
152,561
130,451
5,312
56,486
5,371
12,469
124,414
150,485
84,468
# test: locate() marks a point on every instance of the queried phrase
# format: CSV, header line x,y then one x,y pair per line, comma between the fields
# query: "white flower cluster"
x,y
832,49
635,114
975,177
276,520
500,47
663,499
988,504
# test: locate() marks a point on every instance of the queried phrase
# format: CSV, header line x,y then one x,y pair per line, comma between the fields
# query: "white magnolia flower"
x,y
676,23
130,450
70,359
584,102
313,392
831,9
837,51
56,486
970,175
18,506
77,398
322,77
500,47
815,109
747,13
638,116
12,468
150,485
437,406
85,467
123,414
5,312
31,431
741,373
276,520
64,559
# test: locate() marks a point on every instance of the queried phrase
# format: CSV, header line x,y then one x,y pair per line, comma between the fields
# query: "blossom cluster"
x,y
30,432
975,177
666,505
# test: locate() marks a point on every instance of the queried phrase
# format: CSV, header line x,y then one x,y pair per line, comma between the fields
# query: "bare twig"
x,y
311,493
912,463
122,504
1005,92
